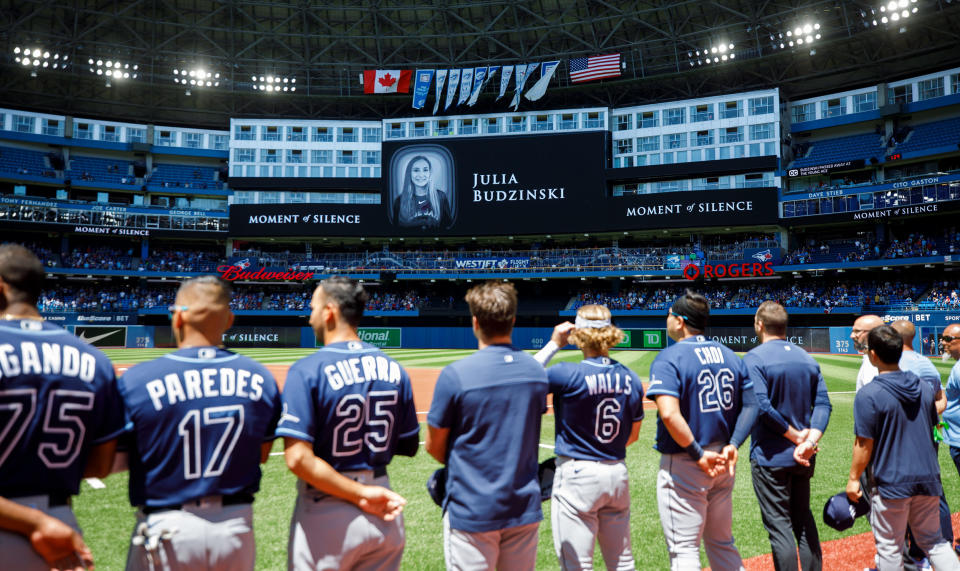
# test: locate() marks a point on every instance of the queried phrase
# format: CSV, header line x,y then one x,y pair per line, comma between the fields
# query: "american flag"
x,y
596,67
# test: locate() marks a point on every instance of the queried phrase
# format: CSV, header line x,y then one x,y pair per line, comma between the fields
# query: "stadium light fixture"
x,y
39,58
889,12
804,34
197,77
112,68
269,83
719,53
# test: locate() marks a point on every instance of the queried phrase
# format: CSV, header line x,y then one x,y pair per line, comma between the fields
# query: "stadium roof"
x,y
326,47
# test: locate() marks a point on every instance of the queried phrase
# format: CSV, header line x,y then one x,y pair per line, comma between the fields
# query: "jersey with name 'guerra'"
x,y
58,398
352,402
196,420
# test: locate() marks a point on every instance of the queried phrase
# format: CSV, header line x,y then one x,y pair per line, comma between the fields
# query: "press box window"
x,y
244,133
296,134
271,134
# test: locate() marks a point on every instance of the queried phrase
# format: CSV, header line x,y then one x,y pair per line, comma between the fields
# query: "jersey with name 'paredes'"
x,y
197,418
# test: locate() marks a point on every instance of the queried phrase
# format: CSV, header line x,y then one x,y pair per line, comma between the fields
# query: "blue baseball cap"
x,y
839,513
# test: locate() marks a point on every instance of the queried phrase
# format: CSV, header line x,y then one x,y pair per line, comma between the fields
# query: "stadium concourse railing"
x,y
560,271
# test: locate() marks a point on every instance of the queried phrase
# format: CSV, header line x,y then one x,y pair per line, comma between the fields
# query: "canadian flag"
x,y
386,80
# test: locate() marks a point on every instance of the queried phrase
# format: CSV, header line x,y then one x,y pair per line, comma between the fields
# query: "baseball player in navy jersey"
x,y
60,416
200,422
484,424
598,406
348,409
794,412
707,408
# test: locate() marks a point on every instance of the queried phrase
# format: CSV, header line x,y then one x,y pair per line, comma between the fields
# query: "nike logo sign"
x,y
94,339
655,382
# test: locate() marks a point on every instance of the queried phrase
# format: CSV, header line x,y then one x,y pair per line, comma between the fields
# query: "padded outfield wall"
x,y
641,335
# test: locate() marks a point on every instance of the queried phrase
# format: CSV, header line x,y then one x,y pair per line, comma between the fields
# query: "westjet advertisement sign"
x,y
492,263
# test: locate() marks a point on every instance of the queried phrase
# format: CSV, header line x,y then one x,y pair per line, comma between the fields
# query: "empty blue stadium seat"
x,y
23,161
849,148
184,176
101,170
932,135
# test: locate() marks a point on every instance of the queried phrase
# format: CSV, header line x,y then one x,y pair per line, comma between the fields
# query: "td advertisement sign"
x,y
643,339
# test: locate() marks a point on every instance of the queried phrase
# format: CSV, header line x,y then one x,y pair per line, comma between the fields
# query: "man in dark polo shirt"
x,y
794,412
484,424
893,418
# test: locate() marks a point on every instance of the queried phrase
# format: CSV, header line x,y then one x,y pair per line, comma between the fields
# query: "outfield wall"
x,y
813,339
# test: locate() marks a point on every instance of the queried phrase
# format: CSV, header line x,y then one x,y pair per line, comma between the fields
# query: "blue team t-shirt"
x,y
790,392
595,404
708,379
952,412
897,412
352,402
197,418
921,367
58,398
492,402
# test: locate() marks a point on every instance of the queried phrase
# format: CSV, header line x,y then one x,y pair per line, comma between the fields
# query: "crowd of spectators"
x,y
913,246
819,294
110,258
119,299
194,260
262,299
944,296
104,299
97,258
385,301
834,251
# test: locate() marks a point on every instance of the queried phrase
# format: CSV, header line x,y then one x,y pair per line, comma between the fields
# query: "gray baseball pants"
x,y
330,533
889,519
203,534
511,548
694,507
591,502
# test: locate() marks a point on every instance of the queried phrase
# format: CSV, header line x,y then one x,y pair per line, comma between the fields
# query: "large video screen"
x,y
525,184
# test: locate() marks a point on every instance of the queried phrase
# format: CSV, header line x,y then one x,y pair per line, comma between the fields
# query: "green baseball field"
x,y
107,517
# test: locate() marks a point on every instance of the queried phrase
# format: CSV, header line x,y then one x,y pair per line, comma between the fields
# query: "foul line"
x,y
96,483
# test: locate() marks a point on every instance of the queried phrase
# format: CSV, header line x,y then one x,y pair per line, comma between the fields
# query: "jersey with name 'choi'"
x,y
197,418
708,379
58,398
595,402
352,402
